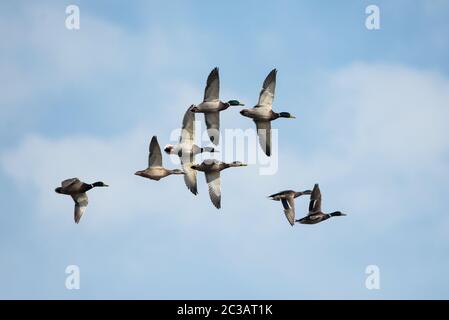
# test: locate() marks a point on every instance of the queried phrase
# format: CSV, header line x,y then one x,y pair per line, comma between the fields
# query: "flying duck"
x,y
77,190
262,114
287,198
315,214
155,170
186,150
212,169
212,105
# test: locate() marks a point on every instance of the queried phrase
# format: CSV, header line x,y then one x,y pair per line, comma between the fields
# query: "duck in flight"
x,y
212,105
212,169
155,170
262,114
315,214
186,150
287,198
77,190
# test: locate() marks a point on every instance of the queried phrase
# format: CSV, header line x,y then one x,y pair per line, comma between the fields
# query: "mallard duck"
x,y
186,150
287,198
155,170
315,214
262,113
212,105
77,190
212,169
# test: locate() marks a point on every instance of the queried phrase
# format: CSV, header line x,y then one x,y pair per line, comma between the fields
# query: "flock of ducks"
x,y
211,106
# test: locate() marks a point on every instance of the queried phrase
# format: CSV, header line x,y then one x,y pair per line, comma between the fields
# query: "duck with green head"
x,y
212,169
262,114
212,105
77,189
316,215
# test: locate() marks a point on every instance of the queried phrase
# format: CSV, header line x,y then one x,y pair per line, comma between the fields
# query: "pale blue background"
x,y
371,128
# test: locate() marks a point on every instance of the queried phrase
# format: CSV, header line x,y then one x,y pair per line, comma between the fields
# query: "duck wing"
x,y
189,175
213,126
155,157
81,202
72,186
315,200
213,183
289,209
282,193
212,90
264,133
69,182
266,96
188,129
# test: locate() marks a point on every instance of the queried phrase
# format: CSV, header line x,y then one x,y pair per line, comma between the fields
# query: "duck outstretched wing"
x,y
155,156
213,126
267,93
289,209
315,200
188,129
213,183
212,91
81,201
264,133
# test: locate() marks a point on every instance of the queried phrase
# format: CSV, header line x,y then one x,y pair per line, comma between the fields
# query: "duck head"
x,y
99,184
286,115
193,109
237,164
169,148
235,103
337,214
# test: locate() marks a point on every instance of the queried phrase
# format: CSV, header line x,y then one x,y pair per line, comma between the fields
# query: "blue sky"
x,y
371,128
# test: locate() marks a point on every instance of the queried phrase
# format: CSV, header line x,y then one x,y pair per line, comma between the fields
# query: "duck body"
x,y
288,194
260,113
157,173
215,105
73,186
314,218
211,166
186,150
